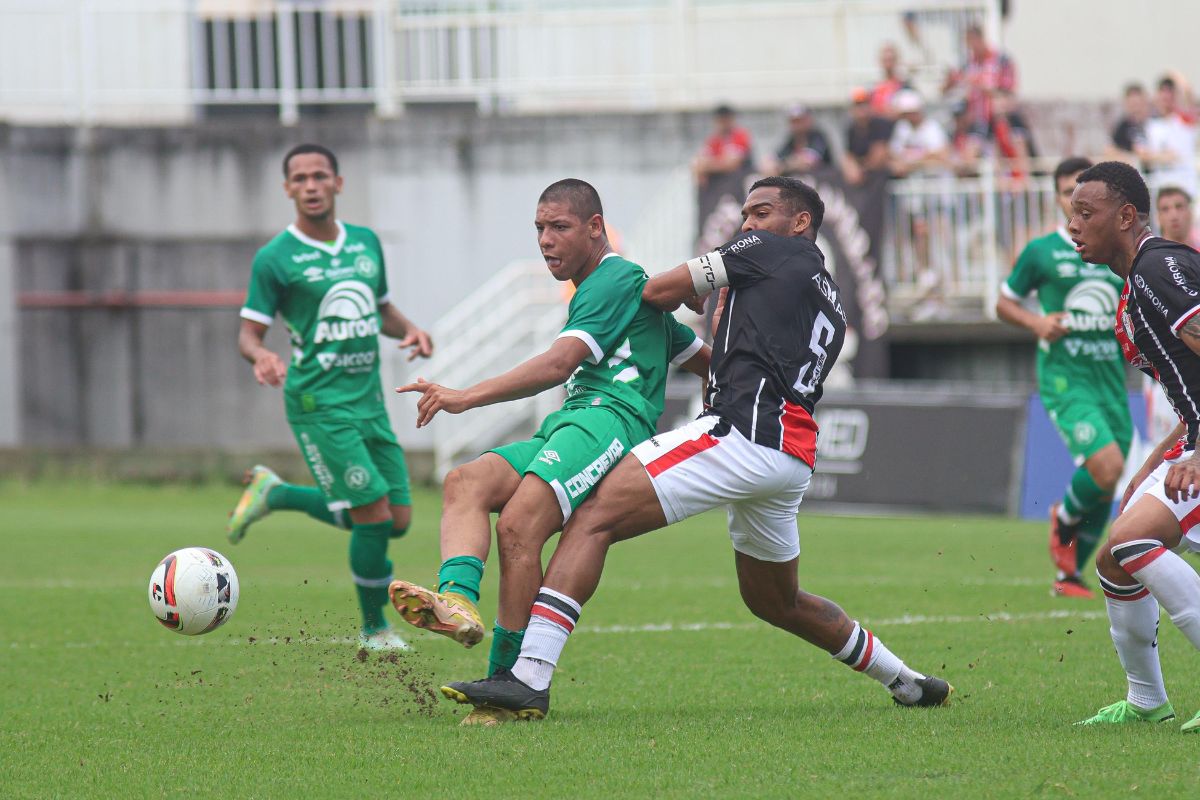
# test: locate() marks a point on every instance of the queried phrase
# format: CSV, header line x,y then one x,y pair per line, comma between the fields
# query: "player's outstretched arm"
x,y
668,290
539,373
398,326
269,368
1049,327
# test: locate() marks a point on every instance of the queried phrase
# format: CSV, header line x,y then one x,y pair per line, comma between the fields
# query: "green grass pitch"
x,y
669,689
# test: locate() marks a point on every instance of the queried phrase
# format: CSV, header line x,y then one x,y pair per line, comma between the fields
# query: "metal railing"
x,y
138,61
950,241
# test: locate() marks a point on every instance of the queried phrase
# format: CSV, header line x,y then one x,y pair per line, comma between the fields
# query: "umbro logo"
x,y
314,274
549,456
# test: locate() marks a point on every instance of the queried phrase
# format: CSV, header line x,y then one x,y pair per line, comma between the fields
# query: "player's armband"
x,y
708,273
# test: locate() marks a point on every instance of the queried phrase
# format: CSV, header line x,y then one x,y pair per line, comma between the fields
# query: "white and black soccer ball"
x,y
193,590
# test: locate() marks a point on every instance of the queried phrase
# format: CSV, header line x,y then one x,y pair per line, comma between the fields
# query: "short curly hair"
x,y
1121,179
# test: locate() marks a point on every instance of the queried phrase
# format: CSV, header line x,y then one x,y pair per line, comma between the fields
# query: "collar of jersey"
x,y
1066,237
332,249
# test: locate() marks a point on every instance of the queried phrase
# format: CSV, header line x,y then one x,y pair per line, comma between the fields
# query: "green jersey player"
x,y
1081,379
326,279
613,354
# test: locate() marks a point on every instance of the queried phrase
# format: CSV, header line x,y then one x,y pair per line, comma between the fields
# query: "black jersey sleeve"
x,y
751,257
1168,281
738,263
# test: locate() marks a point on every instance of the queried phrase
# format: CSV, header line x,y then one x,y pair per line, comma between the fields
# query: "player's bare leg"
x,y
1139,573
622,506
470,494
772,592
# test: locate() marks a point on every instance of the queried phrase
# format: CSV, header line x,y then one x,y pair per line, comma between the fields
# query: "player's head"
x,y
570,228
783,206
1109,211
311,180
1064,180
1173,206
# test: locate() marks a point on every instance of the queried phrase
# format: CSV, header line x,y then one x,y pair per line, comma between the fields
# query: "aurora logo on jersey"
x,y
351,304
592,473
1091,306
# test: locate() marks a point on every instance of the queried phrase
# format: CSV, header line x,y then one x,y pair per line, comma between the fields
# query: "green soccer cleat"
x,y
1192,725
252,506
1124,711
449,613
503,691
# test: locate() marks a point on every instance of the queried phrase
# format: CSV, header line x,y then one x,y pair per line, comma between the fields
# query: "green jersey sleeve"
x,y
1025,276
381,290
265,293
602,309
683,342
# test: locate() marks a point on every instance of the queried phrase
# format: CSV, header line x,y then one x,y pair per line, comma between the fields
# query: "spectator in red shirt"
x,y
986,71
726,150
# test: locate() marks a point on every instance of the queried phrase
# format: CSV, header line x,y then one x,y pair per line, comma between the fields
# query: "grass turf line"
x,y
743,711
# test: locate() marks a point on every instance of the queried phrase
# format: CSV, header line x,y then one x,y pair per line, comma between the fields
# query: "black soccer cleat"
x,y
502,690
934,692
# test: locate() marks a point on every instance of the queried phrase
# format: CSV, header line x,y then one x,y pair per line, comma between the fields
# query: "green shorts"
x,y
1086,427
354,461
572,450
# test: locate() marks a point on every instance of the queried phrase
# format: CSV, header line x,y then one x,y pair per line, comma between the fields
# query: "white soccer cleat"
x,y
383,639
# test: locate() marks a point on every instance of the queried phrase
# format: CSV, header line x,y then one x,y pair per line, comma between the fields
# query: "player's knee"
x,y
401,520
1107,472
457,483
513,541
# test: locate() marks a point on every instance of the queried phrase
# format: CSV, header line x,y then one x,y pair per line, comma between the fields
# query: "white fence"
x,y
140,61
950,241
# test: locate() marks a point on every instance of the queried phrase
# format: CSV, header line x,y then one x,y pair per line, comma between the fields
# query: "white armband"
x,y
708,273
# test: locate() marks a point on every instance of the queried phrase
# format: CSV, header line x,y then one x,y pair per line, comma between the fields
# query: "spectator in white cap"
x,y
918,142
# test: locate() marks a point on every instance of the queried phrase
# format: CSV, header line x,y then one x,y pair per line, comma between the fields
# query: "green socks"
x,y
371,570
1089,534
1083,495
506,646
461,575
310,500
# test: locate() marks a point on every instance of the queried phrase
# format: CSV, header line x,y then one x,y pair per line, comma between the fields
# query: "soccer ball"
x,y
193,590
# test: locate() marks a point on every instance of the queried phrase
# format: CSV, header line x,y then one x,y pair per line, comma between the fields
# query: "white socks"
x,y
1133,625
864,653
1173,583
551,621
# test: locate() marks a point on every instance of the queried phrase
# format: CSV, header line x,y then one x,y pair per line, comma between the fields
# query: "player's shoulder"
x,y
1166,260
614,273
359,232
276,248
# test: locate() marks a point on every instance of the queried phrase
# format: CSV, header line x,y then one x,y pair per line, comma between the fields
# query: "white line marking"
x,y
662,627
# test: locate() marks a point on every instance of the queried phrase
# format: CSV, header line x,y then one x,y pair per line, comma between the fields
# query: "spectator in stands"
x,y
920,145
1173,207
1011,134
892,82
1129,136
805,148
866,139
986,71
728,149
968,142
918,142
1171,136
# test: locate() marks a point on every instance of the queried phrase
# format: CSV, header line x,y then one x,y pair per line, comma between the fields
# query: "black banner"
x,y
875,448
850,238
